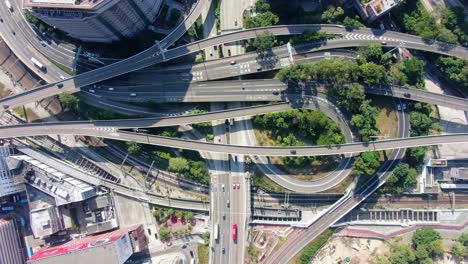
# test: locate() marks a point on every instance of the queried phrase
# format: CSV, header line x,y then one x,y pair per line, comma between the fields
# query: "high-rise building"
x,y
10,246
111,248
96,20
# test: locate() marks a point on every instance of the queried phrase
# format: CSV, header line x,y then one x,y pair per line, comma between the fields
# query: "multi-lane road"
x,y
157,54
255,90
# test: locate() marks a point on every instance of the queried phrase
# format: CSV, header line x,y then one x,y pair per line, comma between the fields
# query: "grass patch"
x,y
387,120
203,253
64,68
306,255
342,186
26,113
205,129
263,182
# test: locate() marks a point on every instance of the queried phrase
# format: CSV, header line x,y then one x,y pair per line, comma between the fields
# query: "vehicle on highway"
x,y
224,216
383,42
234,186
92,91
216,232
111,89
399,107
238,185
8,208
13,32
60,85
407,95
38,64
211,52
1,20
224,250
229,52
228,203
232,62
403,106
275,93
8,5
133,94
62,77
222,187
235,22
293,152
234,232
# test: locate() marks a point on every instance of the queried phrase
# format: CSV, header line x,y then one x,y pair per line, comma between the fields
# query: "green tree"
x,y
420,124
367,163
352,22
402,254
372,73
459,250
133,147
415,156
436,248
206,237
164,234
352,97
170,212
402,177
264,41
333,15
372,53
261,6
69,101
463,239
414,71
189,216
421,253
178,164
262,20
179,213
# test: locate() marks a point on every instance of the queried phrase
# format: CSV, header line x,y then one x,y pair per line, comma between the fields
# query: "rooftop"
x,y
63,188
68,4
91,249
380,6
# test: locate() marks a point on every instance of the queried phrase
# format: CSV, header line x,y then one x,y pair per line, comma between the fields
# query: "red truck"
x,y
234,232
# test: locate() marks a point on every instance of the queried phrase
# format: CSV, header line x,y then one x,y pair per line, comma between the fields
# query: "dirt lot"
x,y
358,250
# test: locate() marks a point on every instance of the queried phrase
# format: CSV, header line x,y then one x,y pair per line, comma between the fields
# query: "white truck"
x,y
8,4
38,64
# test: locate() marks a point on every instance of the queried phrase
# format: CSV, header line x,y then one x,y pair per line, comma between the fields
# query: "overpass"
x,y
157,54
256,90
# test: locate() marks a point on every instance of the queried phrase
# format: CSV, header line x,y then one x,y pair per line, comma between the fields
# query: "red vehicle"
x,y
234,232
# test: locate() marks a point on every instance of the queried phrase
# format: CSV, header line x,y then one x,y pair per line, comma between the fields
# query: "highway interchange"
x,y
240,142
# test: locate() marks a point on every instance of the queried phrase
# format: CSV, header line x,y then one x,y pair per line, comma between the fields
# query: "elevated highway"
x,y
256,90
112,133
157,54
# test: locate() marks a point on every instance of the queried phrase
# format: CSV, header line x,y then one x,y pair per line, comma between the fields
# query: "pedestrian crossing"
x,y
357,36
105,129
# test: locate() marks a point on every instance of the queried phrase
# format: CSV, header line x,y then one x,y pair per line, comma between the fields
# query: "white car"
x,y
92,91
222,187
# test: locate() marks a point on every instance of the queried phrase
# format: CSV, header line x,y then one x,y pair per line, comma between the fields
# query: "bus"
x,y
38,64
234,232
8,208
216,232
30,252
